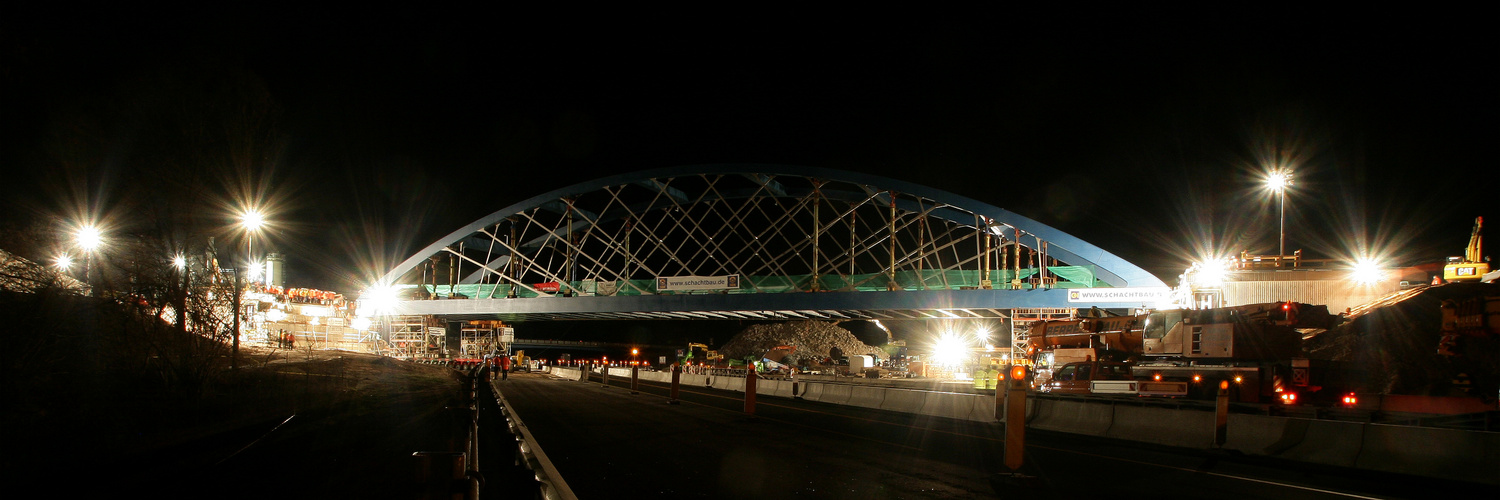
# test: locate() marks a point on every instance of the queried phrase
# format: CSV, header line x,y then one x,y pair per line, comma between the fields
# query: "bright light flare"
x,y
360,324
950,349
255,271
252,219
1367,271
1209,272
89,238
179,262
63,262
982,335
1278,180
380,300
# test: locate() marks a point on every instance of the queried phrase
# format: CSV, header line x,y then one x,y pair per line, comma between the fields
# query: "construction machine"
x,y
1256,348
1472,265
709,356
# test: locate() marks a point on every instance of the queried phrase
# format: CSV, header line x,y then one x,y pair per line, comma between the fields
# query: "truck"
x,y
1092,377
1255,348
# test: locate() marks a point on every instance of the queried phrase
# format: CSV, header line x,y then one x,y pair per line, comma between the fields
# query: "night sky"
x,y
370,135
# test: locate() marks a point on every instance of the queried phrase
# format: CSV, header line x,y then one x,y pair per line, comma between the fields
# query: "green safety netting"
x,y
927,279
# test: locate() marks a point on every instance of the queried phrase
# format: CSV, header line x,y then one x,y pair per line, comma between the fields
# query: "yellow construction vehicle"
x,y
708,355
1473,265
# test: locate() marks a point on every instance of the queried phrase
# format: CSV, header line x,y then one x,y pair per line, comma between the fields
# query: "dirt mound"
x,y
1395,340
813,340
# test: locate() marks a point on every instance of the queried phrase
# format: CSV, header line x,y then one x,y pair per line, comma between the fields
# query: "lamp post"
x,y
180,262
1278,181
89,238
251,220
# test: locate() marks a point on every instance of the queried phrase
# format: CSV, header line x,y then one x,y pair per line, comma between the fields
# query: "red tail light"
x,y
1350,400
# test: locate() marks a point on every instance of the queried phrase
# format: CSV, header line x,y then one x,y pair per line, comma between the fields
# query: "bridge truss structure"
x,y
779,242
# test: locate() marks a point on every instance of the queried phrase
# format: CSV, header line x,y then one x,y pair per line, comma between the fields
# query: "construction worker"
x,y
504,367
980,374
992,376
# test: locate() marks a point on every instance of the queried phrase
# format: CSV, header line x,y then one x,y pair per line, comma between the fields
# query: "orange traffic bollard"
x,y
1221,415
750,392
676,375
1015,418
635,380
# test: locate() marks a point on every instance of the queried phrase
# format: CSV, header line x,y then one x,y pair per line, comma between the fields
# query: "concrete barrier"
x,y
868,397
691,380
835,393
810,391
1076,417
1164,426
1443,453
729,383
1317,441
905,401
956,406
778,388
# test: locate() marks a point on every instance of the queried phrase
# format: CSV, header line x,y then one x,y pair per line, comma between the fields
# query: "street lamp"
x,y
1278,181
252,220
89,238
179,261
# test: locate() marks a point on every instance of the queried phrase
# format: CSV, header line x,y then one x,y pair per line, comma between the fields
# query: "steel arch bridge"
x,y
875,247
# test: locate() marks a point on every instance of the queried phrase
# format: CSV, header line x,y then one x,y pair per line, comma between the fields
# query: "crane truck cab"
x,y
1091,377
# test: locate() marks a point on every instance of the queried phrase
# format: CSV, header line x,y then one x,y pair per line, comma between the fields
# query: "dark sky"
x,y
372,134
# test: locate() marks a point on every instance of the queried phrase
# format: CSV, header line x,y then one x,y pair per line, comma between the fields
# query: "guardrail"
x,y
549,480
446,474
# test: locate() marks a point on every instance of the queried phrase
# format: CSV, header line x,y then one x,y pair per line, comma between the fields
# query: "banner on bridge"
x,y
676,283
1142,295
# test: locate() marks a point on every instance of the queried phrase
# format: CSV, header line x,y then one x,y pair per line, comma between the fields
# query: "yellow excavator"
x,y
1472,266
708,355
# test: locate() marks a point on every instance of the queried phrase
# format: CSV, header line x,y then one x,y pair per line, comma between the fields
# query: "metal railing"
x,y
455,473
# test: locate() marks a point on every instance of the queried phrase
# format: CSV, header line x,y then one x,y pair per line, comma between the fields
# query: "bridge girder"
x,y
781,228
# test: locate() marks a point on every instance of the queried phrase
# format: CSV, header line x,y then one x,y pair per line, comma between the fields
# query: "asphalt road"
x,y
609,443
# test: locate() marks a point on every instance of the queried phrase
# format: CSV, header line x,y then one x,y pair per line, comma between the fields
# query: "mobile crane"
x,y
1256,348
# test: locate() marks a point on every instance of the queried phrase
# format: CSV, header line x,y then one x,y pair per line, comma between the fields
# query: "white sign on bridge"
x,y
666,283
1142,295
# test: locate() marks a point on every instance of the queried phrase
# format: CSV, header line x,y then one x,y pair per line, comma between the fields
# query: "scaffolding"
x,y
1020,324
412,337
479,338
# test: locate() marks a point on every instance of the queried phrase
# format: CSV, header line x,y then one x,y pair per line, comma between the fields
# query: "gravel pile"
x,y
1395,341
813,340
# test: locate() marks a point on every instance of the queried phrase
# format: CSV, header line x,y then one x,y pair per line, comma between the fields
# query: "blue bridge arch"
x,y
797,242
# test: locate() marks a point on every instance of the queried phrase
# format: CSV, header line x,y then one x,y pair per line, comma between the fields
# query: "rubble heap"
x,y
813,339
1395,340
